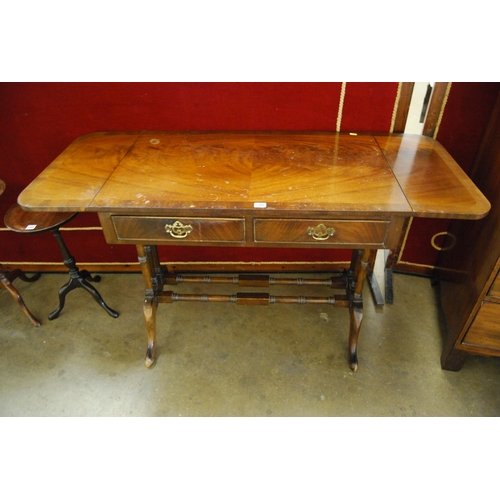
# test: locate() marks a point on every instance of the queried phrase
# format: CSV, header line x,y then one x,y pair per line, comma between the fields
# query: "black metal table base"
x,y
78,279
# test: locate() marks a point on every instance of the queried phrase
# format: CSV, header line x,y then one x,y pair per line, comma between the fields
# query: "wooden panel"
x,y
333,231
485,330
403,107
163,229
495,288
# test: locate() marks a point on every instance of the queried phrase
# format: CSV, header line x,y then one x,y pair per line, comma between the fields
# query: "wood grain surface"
x,y
348,174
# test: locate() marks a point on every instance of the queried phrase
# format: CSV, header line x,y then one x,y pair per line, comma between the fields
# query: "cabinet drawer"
x,y
178,230
320,231
485,330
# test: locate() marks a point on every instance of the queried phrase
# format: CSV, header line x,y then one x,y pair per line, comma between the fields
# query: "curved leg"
x,y
78,279
17,297
97,297
149,309
87,276
356,317
80,283
359,267
148,259
63,291
17,273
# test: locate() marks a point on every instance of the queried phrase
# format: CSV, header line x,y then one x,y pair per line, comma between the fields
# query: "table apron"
x,y
253,231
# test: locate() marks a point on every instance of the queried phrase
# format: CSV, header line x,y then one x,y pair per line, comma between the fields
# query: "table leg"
x,y
151,271
359,265
77,279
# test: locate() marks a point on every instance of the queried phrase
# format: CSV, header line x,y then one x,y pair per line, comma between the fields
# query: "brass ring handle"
x,y
320,232
178,229
452,243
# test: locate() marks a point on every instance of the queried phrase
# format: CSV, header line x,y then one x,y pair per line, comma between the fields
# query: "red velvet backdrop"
x,y
38,120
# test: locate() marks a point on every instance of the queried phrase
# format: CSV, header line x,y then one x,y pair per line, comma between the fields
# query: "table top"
x,y
146,172
22,221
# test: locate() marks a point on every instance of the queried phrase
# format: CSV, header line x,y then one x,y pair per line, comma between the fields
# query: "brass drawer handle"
x,y
320,232
178,229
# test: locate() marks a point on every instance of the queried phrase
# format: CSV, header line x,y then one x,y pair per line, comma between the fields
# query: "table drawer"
x,y
329,232
178,230
485,330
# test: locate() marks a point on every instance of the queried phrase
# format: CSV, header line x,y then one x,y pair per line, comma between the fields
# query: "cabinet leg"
x,y
453,360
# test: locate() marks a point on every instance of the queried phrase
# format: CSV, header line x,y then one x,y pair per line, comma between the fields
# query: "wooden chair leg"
x,y
6,283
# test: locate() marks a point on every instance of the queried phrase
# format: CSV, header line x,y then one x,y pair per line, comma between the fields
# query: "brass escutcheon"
x,y
320,232
178,229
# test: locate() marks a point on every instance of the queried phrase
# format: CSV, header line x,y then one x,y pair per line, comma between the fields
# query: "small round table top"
x,y
2,186
21,221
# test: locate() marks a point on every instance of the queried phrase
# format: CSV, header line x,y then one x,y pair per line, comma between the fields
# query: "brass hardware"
x,y
320,232
452,239
178,229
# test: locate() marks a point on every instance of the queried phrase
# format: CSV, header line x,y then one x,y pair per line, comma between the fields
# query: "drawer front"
x,y
325,232
178,230
485,330
495,288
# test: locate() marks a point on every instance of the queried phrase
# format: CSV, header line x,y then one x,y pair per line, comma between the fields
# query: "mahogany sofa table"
x,y
255,189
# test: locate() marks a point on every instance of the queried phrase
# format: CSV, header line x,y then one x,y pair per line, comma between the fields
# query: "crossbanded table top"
x,y
393,174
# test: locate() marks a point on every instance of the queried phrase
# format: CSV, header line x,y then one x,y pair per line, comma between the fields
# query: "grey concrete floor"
x,y
228,360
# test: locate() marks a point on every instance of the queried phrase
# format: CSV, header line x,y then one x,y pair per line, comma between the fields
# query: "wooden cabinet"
x,y
484,330
469,271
